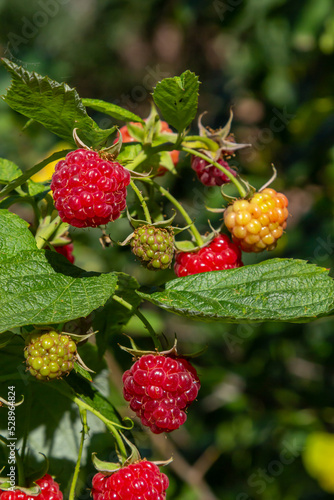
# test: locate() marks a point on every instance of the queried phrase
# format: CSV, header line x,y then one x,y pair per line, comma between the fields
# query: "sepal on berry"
x,y
192,246
3,402
222,137
5,485
39,473
250,190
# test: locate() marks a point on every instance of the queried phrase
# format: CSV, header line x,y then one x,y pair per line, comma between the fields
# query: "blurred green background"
x,y
266,388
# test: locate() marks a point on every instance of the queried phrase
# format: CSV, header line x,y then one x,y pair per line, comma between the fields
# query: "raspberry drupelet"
x,y
88,190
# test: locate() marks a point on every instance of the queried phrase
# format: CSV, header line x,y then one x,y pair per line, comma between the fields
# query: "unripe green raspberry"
x,y
50,354
153,246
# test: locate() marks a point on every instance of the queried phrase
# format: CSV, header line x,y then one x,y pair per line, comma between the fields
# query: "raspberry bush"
x,y
108,187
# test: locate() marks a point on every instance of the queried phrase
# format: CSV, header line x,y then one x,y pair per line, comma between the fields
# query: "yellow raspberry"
x,y
258,223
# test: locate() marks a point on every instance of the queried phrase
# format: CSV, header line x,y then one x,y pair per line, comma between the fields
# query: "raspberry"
x,y
153,246
139,481
220,254
49,491
211,176
257,224
88,190
126,137
66,250
159,389
49,355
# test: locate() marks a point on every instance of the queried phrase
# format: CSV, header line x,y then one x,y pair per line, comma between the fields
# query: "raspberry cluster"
x,y
153,246
49,355
211,175
160,389
257,224
220,254
88,190
139,481
49,491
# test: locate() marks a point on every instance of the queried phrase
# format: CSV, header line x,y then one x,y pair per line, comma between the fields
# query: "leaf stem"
x,y
84,431
142,202
228,174
155,338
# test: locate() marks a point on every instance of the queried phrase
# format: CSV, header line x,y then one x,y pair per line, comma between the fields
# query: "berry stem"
x,y
155,338
233,179
85,429
138,160
110,425
45,232
142,202
182,211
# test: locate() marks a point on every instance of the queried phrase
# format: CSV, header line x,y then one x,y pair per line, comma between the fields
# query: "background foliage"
x,y
265,387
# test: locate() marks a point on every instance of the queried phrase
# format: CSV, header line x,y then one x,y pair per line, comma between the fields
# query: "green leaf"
x,y
275,290
40,286
55,105
177,99
8,171
112,110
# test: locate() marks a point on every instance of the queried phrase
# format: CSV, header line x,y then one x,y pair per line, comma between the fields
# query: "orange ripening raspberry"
x,y
257,224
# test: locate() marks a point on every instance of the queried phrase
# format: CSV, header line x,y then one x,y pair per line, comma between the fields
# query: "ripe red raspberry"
x,y
49,355
139,481
211,176
159,389
88,190
49,491
220,254
126,137
67,251
257,224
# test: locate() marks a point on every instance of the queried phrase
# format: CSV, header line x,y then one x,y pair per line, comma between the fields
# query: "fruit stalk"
x,y
183,212
84,431
142,318
44,233
142,202
110,425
